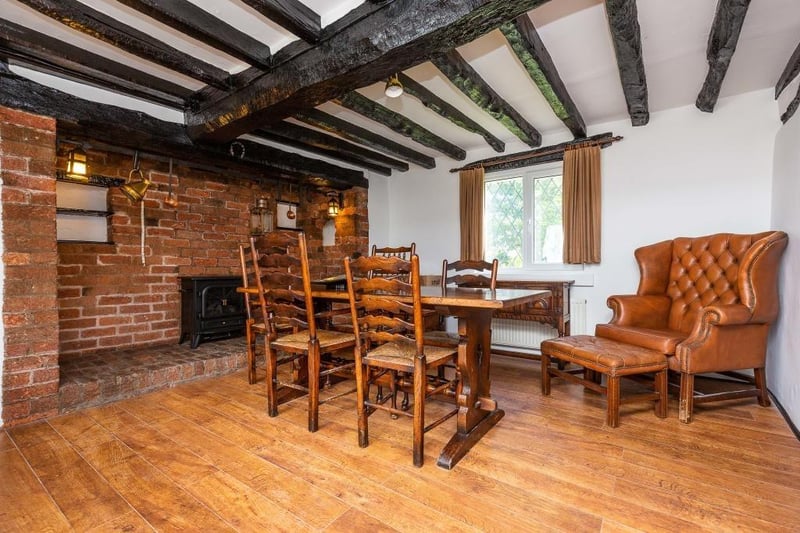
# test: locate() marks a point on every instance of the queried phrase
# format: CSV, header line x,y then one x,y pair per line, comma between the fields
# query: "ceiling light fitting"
x,y
393,87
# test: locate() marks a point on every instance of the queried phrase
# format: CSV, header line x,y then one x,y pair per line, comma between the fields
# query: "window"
x,y
522,217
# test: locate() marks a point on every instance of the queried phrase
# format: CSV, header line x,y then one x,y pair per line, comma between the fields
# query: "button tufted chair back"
x,y
704,271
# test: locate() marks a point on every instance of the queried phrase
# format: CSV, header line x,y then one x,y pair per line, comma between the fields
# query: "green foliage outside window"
x,y
504,220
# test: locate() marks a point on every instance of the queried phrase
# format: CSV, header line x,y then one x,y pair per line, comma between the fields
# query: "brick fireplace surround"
x,y
88,323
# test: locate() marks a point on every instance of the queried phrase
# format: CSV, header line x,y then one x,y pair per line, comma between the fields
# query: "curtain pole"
x,y
489,163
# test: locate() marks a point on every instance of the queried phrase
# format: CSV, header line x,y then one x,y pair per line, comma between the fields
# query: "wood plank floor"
x,y
204,457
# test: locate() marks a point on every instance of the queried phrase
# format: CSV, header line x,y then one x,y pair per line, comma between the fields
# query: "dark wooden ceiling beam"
x,y
469,82
82,119
361,163
290,162
532,53
86,20
451,113
623,21
355,101
793,105
722,41
789,73
50,55
292,15
321,143
391,37
360,135
205,27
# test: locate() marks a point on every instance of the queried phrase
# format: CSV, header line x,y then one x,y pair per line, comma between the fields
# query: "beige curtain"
x,y
581,207
471,210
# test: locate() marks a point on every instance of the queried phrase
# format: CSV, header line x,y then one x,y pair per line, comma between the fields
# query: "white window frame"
x,y
528,174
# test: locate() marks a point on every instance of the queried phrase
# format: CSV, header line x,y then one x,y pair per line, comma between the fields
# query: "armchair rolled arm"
x,y
650,311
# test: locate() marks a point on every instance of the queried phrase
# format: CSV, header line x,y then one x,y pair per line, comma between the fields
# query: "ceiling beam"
x,y
355,101
531,51
789,73
623,21
292,15
205,27
793,105
82,119
290,162
722,41
326,145
360,135
451,113
391,37
47,54
469,82
86,20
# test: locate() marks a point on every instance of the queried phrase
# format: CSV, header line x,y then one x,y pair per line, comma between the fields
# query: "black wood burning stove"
x,y
211,308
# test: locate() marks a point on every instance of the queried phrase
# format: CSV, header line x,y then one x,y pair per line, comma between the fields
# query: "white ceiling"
x,y
575,32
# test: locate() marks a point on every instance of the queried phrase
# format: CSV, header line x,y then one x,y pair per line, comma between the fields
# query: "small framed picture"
x,y
286,215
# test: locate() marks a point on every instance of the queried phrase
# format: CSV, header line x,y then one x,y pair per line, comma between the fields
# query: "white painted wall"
x,y
783,361
686,173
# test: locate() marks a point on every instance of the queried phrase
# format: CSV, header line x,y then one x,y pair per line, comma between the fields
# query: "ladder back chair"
x,y
280,259
387,314
463,273
255,323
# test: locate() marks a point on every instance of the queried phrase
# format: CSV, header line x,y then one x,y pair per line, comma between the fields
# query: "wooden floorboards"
x,y
204,456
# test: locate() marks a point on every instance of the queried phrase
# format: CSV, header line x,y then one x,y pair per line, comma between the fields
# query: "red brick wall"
x,y
71,299
30,316
108,299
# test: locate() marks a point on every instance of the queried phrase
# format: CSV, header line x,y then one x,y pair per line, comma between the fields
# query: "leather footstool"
x,y
612,359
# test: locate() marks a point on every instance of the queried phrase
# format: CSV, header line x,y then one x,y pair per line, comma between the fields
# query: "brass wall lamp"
x,y
77,167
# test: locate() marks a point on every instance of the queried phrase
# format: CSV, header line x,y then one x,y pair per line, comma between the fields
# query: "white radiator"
x,y
529,335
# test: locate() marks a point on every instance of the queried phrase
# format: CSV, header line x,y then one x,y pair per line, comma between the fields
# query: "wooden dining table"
x,y
478,412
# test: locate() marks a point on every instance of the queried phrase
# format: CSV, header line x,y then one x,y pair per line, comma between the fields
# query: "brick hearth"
x,y
105,377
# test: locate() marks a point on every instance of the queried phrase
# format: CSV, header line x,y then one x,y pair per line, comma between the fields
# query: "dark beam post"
x,y
469,82
623,21
531,51
722,42
451,113
355,101
84,19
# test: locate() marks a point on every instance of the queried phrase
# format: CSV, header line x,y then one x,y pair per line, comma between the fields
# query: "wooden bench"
x,y
598,356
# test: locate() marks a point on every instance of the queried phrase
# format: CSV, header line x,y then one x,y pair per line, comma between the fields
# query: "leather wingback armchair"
x,y
707,303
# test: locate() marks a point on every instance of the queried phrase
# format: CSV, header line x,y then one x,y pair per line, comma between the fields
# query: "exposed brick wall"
x,y
108,299
73,299
30,317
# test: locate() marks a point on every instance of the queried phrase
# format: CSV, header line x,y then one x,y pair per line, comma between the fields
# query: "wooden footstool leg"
x,y
545,374
660,385
760,375
612,397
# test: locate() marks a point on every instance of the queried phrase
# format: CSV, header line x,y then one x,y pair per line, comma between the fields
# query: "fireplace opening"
x,y
211,308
